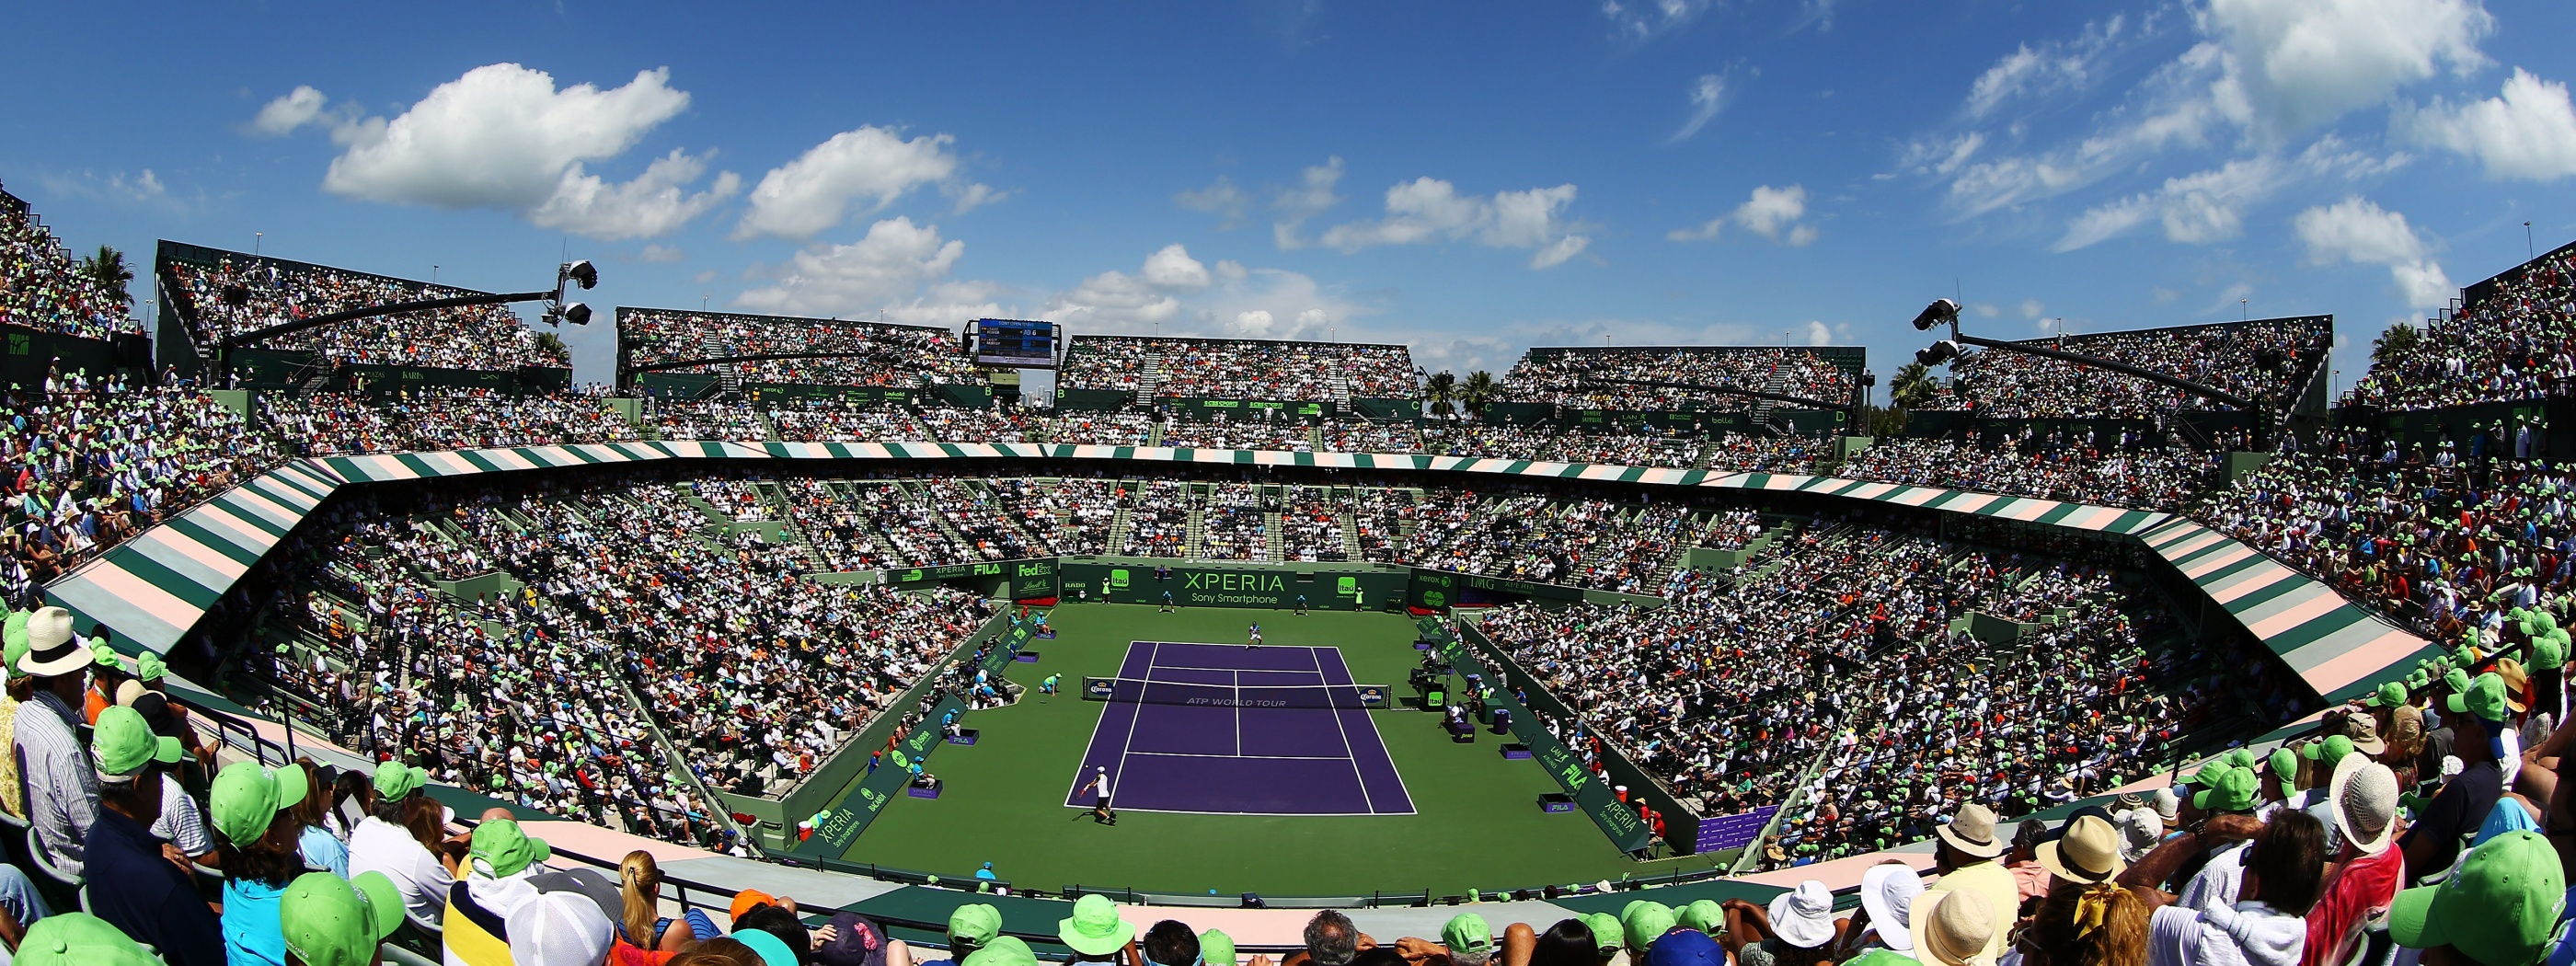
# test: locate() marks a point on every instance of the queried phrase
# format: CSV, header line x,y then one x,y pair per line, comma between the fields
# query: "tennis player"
x,y
1100,811
1253,641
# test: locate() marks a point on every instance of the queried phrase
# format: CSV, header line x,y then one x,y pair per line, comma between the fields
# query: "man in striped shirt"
x,y
62,790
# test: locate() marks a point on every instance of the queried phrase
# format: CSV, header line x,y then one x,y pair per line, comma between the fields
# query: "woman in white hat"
x,y
1799,928
1953,928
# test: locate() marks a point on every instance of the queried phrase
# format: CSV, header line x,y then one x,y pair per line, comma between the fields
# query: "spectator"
x,y
80,939
971,926
1094,932
1331,940
139,889
481,903
2432,843
569,929
326,920
1170,941
2367,873
62,791
1797,929
1966,858
313,841
2265,925
2501,908
259,855
1956,928
384,843
858,941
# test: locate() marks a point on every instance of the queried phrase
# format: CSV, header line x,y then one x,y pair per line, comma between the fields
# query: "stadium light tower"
x,y
1945,312
567,275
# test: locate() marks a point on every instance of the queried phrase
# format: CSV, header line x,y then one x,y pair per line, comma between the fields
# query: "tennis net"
x,y
1146,691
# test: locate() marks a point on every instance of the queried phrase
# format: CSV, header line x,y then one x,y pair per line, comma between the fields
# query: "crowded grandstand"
x,y
314,644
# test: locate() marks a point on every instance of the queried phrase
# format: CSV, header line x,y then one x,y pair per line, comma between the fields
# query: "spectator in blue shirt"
x,y
135,884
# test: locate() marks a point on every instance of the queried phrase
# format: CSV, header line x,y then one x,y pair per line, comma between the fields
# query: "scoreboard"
x,y
1013,343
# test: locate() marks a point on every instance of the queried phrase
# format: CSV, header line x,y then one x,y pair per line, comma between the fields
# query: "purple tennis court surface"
x,y
1240,760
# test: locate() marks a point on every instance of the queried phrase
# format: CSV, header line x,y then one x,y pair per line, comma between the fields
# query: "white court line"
x,y
1238,713
1356,776
1194,754
1121,778
1095,733
1381,742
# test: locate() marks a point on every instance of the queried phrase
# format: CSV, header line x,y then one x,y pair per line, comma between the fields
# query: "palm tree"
x,y
1478,390
108,269
1912,387
2398,342
1439,391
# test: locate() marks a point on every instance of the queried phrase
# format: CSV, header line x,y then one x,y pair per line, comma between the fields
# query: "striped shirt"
x,y
62,790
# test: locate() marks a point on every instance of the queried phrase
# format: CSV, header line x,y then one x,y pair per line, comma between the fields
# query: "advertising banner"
x,y
1593,796
1239,585
843,822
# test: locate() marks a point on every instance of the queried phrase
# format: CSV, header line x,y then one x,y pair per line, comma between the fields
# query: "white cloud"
x,y
2038,71
653,204
2267,70
1707,95
870,166
2296,64
946,304
895,259
1313,195
2358,231
2209,206
1221,199
1115,298
294,109
1172,267
1818,333
1254,323
1638,20
2528,132
663,254
1772,213
502,136
1427,209
2032,308
971,196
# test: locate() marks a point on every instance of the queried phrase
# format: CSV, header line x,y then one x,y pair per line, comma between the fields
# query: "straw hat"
x,y
1972,832
2364,793
1953,928
52,649
2089,852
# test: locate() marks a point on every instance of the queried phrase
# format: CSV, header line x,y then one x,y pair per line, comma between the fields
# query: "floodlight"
x,y
1940,312
1939,354
575,313
583,273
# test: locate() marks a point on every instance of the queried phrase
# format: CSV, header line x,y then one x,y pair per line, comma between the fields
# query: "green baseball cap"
x,y
1216,948
1704,915
331,921
2228,791
2500,909
80,939
2455,680
1094,929
396,781
1005,951
1606,931
13,641
103,656
123,743
2240,758
1644,920
247,796
975,922
2389,695
2285,769
2484,697
1882,957
2329,752
150,667
503,846
1468,933
2547,651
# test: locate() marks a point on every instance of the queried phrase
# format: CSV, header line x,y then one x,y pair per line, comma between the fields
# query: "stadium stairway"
x,y
1271,538
1119,526
1151,377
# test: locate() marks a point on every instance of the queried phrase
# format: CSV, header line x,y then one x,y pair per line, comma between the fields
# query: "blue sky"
x,y
1468,178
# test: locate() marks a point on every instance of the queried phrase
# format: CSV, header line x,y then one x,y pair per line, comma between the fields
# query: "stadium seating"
x,y
1591,378
2510,343
1238,368
880,354
42,287
230,293
2271,361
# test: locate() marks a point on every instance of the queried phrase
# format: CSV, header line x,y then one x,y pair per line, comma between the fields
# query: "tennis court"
x,y
1222,729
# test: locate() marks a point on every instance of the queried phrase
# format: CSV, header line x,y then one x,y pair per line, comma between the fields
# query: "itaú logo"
x,y
1253,582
